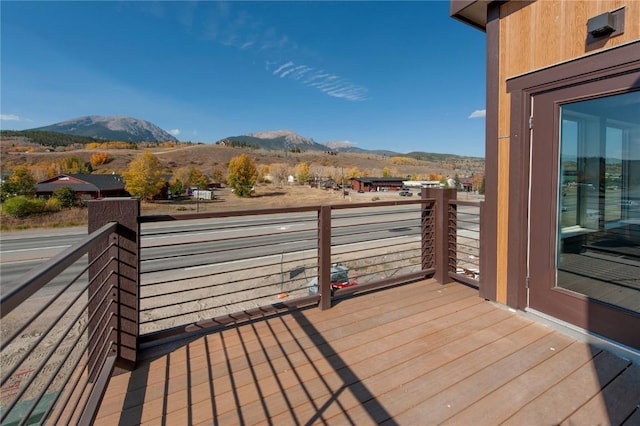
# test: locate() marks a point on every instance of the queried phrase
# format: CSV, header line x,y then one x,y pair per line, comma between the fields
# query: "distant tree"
x,y
21,182
74,165
144,178
386,172
404,161
197,179
242,175
481,190
303,172
100,158
478,182
177,187
218,177
456,182
181,174
353,173
66,197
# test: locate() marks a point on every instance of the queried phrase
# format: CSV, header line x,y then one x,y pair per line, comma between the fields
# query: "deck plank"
x,y
564,398
505,401
614,404
422,353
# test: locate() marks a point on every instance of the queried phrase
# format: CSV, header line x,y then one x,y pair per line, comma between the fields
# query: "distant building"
x,y
467,184
86,187
422,183
377,184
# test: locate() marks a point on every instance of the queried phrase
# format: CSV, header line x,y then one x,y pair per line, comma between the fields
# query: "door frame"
x,y
601,66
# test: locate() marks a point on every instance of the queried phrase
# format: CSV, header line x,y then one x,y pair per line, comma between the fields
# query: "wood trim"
x,y
578,70
518,214
489,219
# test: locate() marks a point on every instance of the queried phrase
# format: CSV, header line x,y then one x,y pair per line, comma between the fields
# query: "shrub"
x,y
65,196
23,207
53,205
375,198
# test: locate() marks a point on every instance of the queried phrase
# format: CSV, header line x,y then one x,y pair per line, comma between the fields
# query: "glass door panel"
x,y
598,238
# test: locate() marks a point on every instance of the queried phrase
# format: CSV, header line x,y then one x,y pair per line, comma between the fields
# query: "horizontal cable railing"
x,y
464,241
57,335
203,270
376,246
196,268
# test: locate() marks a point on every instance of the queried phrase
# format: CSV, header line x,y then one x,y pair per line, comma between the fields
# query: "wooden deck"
x,y
422,354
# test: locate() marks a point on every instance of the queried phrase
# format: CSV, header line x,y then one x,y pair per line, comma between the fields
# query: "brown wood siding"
x,y
548,32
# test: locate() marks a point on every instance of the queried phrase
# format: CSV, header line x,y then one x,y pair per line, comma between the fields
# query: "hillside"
x,y
20,151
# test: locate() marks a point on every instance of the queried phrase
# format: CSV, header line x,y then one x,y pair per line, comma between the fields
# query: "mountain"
x,y
113,128
344,146
275,140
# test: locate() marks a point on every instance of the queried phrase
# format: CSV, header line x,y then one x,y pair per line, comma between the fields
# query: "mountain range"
x,y
127,129
113,128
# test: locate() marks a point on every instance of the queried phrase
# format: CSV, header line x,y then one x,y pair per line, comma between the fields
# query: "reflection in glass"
x,y
599,199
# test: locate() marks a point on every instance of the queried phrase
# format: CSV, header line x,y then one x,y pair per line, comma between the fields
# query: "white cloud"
x,y
9,117
331,84
479,113
282,67
174,132
236,28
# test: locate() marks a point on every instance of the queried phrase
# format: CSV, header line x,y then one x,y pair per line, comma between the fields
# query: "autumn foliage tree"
x,y
73,165
21,182
144,178
353,173
197,179
100,158
242,175
303,172
217,175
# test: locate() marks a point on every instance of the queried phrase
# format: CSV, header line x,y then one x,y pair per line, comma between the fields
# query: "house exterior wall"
x,y
531,36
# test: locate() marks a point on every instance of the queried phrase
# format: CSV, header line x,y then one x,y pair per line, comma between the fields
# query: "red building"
x,y
86,187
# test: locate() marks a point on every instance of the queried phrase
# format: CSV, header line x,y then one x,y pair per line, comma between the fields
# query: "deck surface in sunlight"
x,y
422,353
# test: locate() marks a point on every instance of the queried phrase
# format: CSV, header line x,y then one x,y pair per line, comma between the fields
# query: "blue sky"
x,y
402,76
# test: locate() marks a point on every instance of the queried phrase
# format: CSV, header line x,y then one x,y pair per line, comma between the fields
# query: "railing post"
x,y
324,256
442,197
121,275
